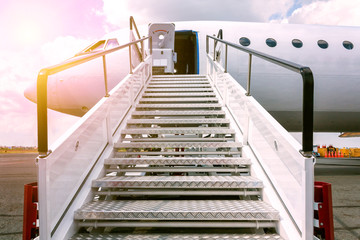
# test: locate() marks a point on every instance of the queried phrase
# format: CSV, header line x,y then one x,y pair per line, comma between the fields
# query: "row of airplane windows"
x,y
296,43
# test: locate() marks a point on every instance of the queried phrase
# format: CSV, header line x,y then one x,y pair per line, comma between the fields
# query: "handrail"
x,y
308,88
132,23
42,88
141,50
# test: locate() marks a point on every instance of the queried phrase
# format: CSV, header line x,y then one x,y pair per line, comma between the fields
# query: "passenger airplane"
x,y
332,53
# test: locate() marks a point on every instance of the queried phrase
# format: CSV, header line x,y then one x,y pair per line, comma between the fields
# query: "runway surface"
x,y
19,169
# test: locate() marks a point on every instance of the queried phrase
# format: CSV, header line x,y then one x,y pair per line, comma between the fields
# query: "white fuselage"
x,y
335,70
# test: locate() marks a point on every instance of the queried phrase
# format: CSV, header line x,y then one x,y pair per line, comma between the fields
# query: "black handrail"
x,y
42,88
308,89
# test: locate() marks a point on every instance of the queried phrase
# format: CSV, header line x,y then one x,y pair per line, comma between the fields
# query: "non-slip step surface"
x,y
179,161
179,90
179,100
176,94
178,138
155,86
179,113
178,153
179,145
180,105
163,236
192,130
180,121
215,210
195,182
176,82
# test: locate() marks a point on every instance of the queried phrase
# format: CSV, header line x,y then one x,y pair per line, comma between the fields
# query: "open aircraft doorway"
x,y
186,47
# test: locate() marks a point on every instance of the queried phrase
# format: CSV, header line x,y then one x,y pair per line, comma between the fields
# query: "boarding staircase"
x,y
175,156
177,172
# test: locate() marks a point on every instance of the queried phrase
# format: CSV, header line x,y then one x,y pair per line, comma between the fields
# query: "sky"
x,y
40,33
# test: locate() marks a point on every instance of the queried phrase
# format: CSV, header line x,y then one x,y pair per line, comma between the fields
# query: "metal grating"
x,y
118,236
194,182
215,210
179,161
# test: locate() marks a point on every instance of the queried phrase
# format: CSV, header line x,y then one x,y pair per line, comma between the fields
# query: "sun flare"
x,y
28,33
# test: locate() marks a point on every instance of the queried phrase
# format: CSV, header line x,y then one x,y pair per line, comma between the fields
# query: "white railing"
x,y
63,172
290,173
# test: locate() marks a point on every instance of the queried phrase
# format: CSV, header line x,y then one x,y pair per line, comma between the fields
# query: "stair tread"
x,y
217,210
179,121
173,153
179,161
203,85
178,145
179,90
194,182
178,113
179,105
164,236
179,138
165,82
188,99
179,130
176,94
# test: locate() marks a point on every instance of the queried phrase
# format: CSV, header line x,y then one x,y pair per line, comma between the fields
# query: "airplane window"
x,y
348,45
323,44
111,43
297,43
244,41
96,46
271,42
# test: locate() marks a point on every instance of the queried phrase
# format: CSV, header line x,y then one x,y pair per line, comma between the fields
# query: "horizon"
x,y
36,40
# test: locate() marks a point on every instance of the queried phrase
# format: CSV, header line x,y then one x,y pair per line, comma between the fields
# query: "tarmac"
x,y
19,169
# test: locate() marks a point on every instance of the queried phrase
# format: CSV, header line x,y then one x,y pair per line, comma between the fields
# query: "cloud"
x,y
62,48
117,12
17,71
332,12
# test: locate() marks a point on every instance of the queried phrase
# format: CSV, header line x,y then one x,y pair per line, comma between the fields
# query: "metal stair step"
x,y
176,153
180,169
179,113
179,139
198,99
179,130
178,145
180,121
180,236
188,182
179,86
182,106
178,90
204,210
176,94
179,161
165,82
186,77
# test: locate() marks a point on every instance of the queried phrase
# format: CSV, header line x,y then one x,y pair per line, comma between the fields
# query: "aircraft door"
x,y
163,44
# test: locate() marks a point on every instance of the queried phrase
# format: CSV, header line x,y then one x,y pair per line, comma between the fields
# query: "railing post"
x,y
150,43
142,51
42,113
308,198
44,219
207,44
308,111
214,50
249,76
105,77
226,57
108,127
130,62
